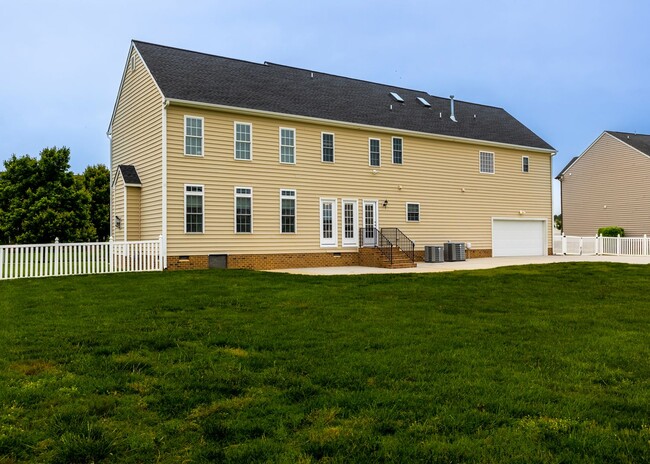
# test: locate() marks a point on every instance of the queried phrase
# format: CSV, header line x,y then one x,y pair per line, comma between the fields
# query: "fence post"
x,y
564,244
56,256
161,258
598,245
618,245
645,245
2,252
111,259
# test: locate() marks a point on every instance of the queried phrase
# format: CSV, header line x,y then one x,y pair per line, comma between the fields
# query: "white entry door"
x,y
370,222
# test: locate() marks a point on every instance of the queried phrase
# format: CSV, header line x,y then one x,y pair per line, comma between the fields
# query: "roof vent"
x,y
424,102
397,97
453,115
312,75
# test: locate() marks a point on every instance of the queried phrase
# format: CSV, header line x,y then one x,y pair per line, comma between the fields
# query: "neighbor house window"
x,y
193,136
486,162
287,145
397,150
327,142
243,210
374,147
194,209
524,164
243,141
288,211
413,212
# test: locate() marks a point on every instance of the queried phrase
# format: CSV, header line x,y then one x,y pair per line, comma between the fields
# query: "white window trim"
x,y
527,164
244,195
370,153
185,193
334,241
295,209
354,241
234,143
202,135
392,150
494,167
407,211
333,147
295,145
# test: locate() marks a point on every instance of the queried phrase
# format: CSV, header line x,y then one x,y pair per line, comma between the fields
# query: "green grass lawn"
x,y
525,364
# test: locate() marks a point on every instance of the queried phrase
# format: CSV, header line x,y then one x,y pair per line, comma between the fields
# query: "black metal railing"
x,y
400,240
386,240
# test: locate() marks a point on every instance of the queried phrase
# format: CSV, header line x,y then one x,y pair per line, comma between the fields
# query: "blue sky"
x,y
567,69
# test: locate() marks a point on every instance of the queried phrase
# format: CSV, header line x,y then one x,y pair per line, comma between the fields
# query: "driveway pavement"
x,y
476,263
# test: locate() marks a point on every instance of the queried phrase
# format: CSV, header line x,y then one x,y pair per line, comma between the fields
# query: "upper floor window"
x,y
524,164
486,162
193,208
288,211
327,143
287,145
374,155
397,150
413,212
243,141
243,209
193,136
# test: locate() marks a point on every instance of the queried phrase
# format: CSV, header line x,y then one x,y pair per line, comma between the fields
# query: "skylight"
x,y
424,102
397,97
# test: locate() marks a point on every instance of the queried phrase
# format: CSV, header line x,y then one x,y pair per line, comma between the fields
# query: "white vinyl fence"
x,y
64,259
619,246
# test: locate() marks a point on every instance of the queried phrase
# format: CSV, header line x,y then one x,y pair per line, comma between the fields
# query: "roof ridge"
x,y
197,53
627,133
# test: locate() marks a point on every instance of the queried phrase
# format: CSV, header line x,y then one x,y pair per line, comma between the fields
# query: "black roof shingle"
x,y
198,77
639,141
129,174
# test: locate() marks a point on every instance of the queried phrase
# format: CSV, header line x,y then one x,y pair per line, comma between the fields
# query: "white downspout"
x,y
164,182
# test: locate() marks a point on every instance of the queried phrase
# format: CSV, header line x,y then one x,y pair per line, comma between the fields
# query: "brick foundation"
x,y
363,257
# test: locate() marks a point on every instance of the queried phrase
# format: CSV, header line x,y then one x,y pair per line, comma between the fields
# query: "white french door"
x,y
350,226
328,227
370,222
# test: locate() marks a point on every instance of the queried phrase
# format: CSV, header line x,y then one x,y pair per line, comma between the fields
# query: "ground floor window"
x,y
193,209
243,209
288,211
413,212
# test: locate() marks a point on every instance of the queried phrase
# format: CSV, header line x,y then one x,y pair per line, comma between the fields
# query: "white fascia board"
x,y
332,122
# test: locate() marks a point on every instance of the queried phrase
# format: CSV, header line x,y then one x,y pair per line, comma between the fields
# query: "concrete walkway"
x,y
476,263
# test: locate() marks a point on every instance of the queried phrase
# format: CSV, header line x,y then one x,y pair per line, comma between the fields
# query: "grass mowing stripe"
x,y
527,364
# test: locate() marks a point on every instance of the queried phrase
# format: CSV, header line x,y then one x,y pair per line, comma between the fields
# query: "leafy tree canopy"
x,y
41,199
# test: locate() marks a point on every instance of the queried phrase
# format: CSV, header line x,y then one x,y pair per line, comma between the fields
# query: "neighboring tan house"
x,y
608,185
269,166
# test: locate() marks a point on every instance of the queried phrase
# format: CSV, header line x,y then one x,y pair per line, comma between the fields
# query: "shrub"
x,y
612,231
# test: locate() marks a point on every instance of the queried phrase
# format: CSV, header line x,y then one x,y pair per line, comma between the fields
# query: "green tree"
x,y
96,181
558,221
40,199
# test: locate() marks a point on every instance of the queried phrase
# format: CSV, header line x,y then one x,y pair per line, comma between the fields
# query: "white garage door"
x,y
512,237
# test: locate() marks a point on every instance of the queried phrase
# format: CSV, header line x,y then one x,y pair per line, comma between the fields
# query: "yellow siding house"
x,y
264,166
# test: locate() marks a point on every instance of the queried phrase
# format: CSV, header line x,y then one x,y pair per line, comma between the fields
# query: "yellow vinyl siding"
x,y
434,175
137,140
613,174
133,227
118,191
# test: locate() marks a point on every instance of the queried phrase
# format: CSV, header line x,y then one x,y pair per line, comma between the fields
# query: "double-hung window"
x,y
413,212
374,149
327,147
193,209
287,211
525,164
193,136
287,145
397,150
243,141
243,210
486,162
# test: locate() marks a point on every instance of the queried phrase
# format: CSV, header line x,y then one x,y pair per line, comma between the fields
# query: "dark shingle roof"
x,y
198,77
129,174
639,141
568,165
